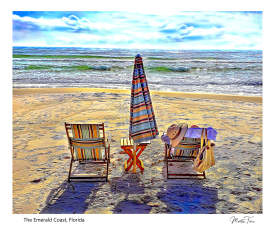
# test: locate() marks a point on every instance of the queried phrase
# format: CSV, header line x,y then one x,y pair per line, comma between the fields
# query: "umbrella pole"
x,y
134,161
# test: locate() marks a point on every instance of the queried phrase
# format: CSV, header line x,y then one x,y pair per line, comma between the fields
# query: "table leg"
x,y
133,160
135,157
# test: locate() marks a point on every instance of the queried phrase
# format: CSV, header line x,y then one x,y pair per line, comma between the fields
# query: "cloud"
x,y
222,30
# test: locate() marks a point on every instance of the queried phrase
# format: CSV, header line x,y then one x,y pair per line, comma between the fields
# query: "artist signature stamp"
x,y
242,219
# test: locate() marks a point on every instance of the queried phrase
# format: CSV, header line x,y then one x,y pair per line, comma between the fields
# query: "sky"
x,y
121,29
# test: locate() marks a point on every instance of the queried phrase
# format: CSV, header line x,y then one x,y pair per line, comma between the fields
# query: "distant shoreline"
x,y
21,91
137,49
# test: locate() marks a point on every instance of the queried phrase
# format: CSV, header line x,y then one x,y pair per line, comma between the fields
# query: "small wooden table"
x,y
129,148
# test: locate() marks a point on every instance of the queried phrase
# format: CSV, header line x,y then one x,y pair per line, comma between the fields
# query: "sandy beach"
x,y
41,157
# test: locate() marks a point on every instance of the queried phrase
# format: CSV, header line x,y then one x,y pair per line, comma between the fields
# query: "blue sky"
x,y
108,29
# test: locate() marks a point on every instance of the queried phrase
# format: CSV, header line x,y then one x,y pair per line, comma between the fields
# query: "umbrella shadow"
x,y
131,207
71,198
129,184
188,196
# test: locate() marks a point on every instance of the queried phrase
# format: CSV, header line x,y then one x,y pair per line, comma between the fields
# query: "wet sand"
x,y
41,157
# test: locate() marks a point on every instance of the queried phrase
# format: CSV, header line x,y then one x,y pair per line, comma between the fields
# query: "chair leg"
x,y
107,170
69,176
166,168
204,175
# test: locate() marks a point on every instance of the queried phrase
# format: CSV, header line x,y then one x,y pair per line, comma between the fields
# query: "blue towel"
x,y
196,133
165,139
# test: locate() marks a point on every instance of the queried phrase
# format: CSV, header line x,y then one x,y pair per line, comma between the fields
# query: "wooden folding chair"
x,y
185,151
87,145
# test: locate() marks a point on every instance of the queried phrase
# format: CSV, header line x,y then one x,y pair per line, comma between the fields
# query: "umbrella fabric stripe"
x,y
139,82
138,94
139,130
143,137
141,98
139,79
145,120
142,112
143,132
141,91
139,70
141,118
139,115
141,108
141,104
140,127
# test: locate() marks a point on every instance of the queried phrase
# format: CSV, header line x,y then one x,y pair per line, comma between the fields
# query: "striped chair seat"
x,y
88,149
188,147
87,142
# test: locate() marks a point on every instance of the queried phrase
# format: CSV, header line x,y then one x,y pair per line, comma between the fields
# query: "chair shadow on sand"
x,y
74,197
71,198
128,184
182,196
188,196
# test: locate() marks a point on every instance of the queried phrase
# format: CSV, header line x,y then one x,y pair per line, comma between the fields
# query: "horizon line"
x,y
240,49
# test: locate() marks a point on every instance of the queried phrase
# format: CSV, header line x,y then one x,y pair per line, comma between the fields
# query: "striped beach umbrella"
x,y
143,126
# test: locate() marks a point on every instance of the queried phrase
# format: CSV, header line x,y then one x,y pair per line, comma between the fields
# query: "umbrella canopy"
x,y
143,126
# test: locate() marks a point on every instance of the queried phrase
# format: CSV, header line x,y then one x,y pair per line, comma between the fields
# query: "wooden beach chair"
x,y
185,151
87,145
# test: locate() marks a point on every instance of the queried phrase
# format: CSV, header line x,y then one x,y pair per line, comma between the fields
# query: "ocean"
x,y
201,71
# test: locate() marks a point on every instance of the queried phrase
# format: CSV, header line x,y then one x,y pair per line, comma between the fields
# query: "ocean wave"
x,y
127,68
243,83
63,68
16,56
225,69
168,69
201,83
195,69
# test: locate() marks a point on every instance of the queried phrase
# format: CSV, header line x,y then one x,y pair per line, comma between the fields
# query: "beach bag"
x,y
205,158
